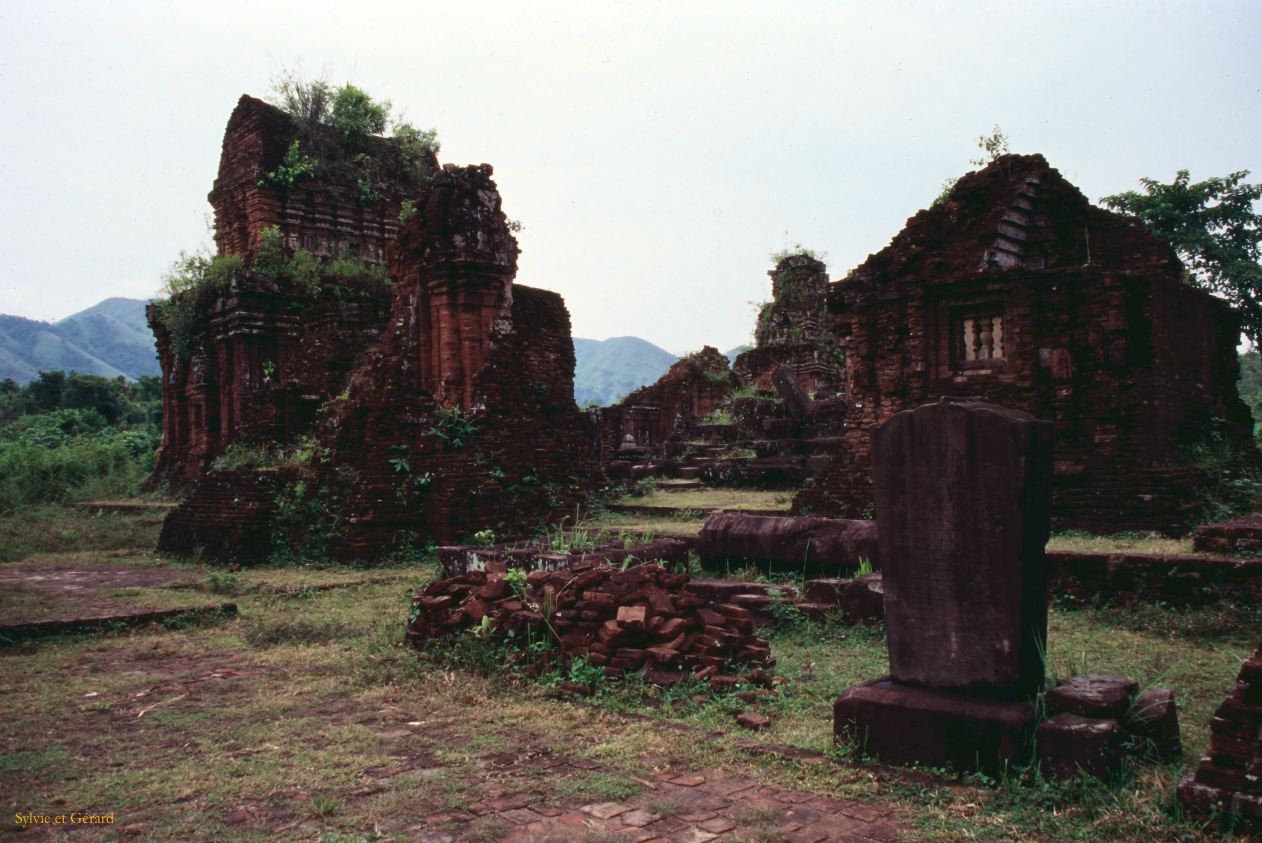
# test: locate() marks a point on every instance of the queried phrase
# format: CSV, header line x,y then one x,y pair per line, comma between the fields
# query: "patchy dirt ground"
x,y
54,590
306,719
180,739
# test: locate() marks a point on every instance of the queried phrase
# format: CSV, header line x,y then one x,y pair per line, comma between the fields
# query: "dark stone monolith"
x,y
963,501
963,497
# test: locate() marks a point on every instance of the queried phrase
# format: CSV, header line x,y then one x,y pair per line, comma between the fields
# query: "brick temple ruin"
x,y
1013,289
793,330
434,409
692,389
264,355
1017,290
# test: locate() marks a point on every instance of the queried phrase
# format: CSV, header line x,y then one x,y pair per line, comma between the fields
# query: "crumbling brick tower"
x,y
442,404
257,360
465,419
1016,290
793,331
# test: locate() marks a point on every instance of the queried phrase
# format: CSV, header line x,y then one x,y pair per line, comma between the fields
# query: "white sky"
x,y
656,152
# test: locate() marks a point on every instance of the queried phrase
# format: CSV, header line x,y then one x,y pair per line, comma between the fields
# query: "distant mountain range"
x,y
606,370
112,338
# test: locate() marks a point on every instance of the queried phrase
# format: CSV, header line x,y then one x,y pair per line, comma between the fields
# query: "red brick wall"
x,y
1118,352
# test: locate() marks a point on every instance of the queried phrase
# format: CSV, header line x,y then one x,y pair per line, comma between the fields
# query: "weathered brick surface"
x,y
691,389
1098,333
1229,779
460,414
793,331
641,618
323,214
228,516
265,355
1242,535
472,388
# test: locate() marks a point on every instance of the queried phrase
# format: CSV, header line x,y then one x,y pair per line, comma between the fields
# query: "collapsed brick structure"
x,y
793,331
258,359
460,415
1228,783
642,618
693,388
464,419
1015,289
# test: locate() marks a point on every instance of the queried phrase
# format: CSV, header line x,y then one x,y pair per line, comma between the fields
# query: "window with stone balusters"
x,y
979,339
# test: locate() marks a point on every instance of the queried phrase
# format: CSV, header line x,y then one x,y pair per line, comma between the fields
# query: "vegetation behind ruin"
x,y
64,437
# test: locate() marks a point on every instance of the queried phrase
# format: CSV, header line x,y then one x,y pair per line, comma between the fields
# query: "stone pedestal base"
x,y
906,724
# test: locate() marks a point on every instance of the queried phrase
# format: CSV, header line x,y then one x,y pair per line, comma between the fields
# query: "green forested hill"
x,y
606,370
108,339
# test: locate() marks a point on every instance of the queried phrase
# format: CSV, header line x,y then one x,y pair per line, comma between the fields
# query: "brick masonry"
x,y
440,410
1071,313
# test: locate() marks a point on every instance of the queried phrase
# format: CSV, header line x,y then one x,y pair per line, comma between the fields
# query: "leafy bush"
x,y
417,146
356,113
792,252
192,278
73,436
312,276
294,167
60,457
309,103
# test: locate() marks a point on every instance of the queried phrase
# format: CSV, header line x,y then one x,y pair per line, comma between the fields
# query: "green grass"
x,y
717,498
1078,542
292,712
52,528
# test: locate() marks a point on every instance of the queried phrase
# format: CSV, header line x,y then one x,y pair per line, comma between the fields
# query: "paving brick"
x,y
516,800
519,816
688,780
639,818
606,810
859,811
547,810
717,825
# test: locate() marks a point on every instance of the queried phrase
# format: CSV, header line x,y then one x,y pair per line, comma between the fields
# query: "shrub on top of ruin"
x,y
352,113
356,113
191,278
415,143
797,249
309,103
992,146
944,195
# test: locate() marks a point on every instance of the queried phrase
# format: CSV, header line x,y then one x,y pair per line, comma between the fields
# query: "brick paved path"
x,y
676,806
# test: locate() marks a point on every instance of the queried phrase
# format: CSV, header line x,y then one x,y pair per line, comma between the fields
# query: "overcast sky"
x,y
655,152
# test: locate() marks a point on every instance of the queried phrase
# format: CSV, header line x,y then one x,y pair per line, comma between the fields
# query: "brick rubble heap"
x,y
641,618
1229,779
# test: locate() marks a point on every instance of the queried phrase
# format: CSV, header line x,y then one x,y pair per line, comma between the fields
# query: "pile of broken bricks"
x,y
1096,719
1228,782
641,618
